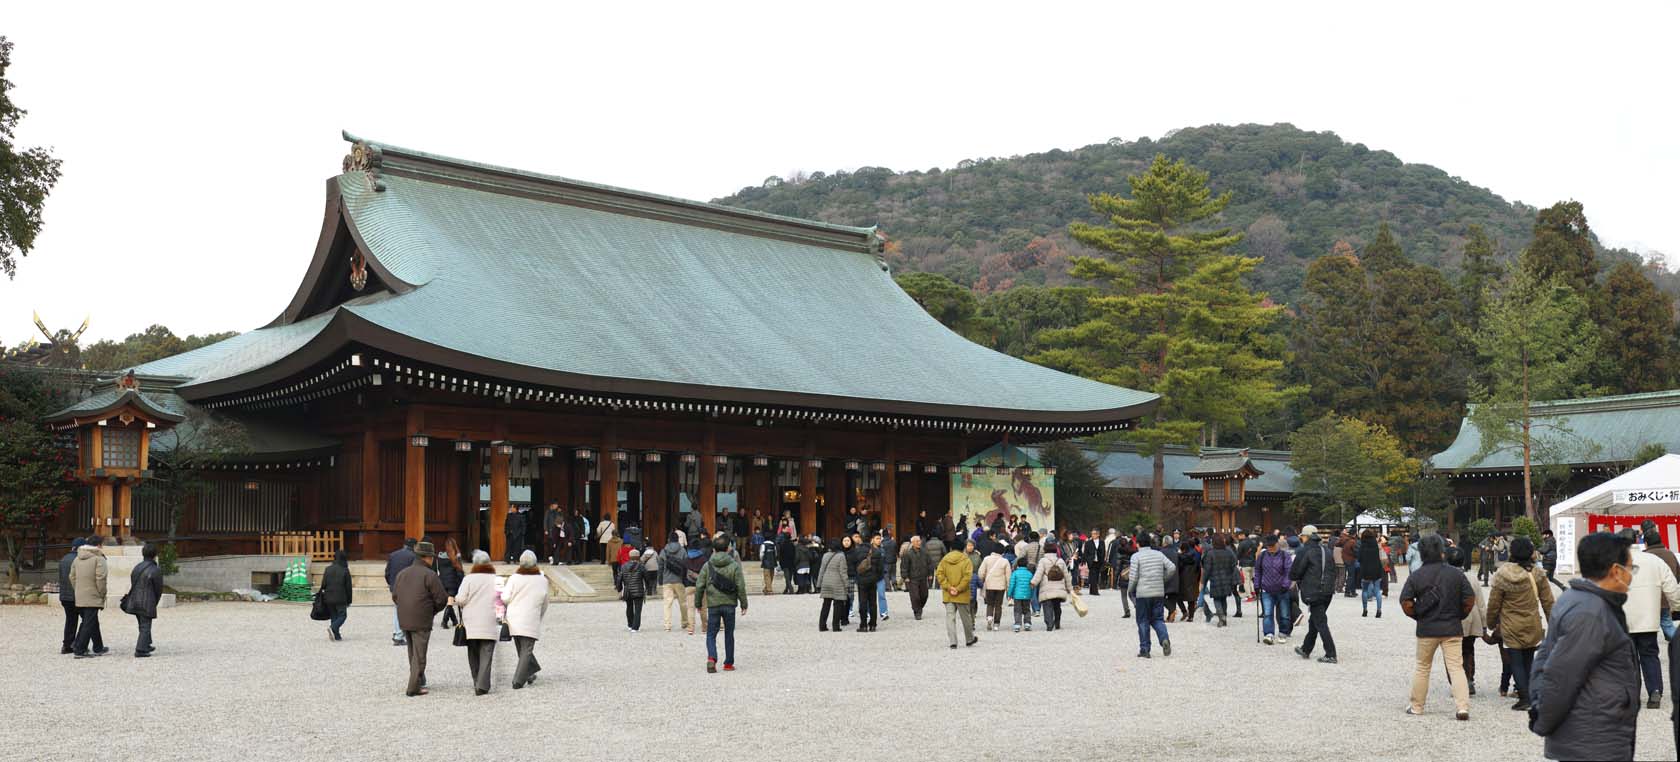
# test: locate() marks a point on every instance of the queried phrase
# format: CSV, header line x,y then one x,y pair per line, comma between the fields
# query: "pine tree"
x,y
1537,343
1383,253
1334,353
1480,270
1172,315
1638,322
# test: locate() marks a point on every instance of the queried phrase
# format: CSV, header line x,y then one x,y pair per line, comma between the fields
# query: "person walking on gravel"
x,y
67,600
1586,675
1271,578
419,596
1148,587
88,577
635,588
994,579
673,570
145,590
955,575
1439,597
721,588
1517,607
1314,573
917,570
525,597
1054,584
400,559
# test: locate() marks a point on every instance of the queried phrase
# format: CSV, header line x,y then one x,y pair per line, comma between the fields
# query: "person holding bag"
x,y
476,602
1517,607
335,593
525,596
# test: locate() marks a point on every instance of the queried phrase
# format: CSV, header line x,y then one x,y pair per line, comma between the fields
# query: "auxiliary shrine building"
x,y
471,339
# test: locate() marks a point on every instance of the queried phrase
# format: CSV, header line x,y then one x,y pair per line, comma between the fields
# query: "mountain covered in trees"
x,y
993,223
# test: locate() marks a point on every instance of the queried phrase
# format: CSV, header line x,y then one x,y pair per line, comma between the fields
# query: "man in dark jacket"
x,y
145,589
1095,554
1438,596
1314,572
67,599
337,594
1120,560
673,569
514,529
419,596
787,557
400,559
917,569
1585,677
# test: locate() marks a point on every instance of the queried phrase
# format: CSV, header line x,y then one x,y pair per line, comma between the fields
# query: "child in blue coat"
x,y
1020,591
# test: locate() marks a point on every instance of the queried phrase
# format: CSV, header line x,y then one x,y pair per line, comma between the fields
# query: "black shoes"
x,y
1143,654
1166,648
1326,659
1301,653
972,641
1655,702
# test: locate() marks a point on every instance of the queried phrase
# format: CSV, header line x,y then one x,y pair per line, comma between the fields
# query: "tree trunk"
x,y
1528,488
1158,484
12,571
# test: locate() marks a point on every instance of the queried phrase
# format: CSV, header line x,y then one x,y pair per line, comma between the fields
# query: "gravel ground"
x,y
262,680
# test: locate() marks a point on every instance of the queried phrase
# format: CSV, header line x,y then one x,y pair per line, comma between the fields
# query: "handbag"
x,y
1078,604
460,629
122,605
506,635
318,609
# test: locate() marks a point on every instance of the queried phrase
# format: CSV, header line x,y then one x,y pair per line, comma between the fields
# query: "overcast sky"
x,y
196,139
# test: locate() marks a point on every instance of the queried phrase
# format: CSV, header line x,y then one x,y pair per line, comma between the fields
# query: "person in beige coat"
x,y
1517,607
1051,592
477,601
525,594
87,575
994,579
1475,626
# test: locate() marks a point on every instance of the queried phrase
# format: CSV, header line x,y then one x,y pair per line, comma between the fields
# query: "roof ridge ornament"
x,y
366,158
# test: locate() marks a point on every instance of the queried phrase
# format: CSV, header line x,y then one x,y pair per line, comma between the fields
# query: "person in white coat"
x,y
1053,583
477,600
1653,591
525,596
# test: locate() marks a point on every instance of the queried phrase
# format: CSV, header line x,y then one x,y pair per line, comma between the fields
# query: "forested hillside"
x,y
998,222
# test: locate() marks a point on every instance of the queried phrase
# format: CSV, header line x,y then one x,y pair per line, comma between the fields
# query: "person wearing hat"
x,y
419,596
1314,571
400,559
67,599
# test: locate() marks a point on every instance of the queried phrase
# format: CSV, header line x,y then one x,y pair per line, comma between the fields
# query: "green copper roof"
x,y
164,406
1577,432
1128,470
615,290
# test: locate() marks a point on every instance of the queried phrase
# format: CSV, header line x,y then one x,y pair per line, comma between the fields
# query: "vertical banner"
x,y
1020,491
1563,531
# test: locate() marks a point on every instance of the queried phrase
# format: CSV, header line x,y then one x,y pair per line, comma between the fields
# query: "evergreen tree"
x,y
1334,348
1637,326
1349,465
1536,343
947,302
1171,315
1480,270
1383,253
26,177
1079,486
1562,247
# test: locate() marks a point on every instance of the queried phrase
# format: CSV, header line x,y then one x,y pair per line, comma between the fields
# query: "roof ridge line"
x,y
480,174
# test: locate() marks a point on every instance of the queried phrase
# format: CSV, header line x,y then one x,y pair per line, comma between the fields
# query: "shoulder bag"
x,y
460,629
318,610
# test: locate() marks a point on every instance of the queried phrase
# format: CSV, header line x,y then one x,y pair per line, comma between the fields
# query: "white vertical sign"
x,y
1563,531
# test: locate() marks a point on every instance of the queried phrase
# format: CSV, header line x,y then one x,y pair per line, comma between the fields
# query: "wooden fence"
x,y
318,546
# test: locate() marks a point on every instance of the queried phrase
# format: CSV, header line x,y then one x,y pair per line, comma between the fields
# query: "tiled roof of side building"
x,y
1576,432
1127,469
574,285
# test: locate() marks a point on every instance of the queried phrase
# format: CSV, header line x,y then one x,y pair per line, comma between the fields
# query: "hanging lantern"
x,y
583,453
252,485
1049,470
503,448
905,468
545,451
689,458
463,445
722,460
852,465
653,457
620,456
1001,470
761,460
930,469
418,440
813,463
879,465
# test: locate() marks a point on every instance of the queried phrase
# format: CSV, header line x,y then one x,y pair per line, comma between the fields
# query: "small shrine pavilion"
x,y
1224,475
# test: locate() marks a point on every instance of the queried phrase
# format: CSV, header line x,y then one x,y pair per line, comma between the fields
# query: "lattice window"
x,y
121,448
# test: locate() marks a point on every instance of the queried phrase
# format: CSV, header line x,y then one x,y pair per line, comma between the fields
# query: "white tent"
x,y
1651,489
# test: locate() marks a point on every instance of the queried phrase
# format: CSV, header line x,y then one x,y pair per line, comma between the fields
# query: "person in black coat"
x,y
514,529
144,591
872,562
67,599
335,592
787,557
400,559
1314,572
1095,554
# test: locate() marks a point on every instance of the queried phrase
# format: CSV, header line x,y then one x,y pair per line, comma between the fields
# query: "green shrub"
x,y
167,556
1479,530
1526,527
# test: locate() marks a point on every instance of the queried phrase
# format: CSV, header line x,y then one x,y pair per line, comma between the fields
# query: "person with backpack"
x,y
1055,584
994,579
1439,597
634,579
767,562
1021,593
1271,578
721,587
1315,572
868,584
673,584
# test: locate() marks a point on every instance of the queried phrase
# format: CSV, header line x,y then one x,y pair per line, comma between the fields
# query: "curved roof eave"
x,y
348,328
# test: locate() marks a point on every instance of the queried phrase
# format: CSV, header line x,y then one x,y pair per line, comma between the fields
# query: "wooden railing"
x,y
317,546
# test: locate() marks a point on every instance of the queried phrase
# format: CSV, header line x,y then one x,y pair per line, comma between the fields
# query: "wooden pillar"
x,y
656,504
414,479
101,508
475,474
889,490
608,471
498,504
370,491
807,493
835,498
909,498
124,494
708,482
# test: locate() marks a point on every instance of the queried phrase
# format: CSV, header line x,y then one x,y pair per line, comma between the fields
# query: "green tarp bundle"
x,y
296,585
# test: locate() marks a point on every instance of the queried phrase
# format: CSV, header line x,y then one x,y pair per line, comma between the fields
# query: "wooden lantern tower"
x,y
1224,475
114,429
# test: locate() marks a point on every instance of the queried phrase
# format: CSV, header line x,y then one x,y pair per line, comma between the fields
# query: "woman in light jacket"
x,y
1051,592
525,596
831,583
477,600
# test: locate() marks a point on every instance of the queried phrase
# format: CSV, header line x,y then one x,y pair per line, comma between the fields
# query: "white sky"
x,y
196,138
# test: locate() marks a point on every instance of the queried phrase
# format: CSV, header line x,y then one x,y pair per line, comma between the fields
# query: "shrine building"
x,y
470,339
